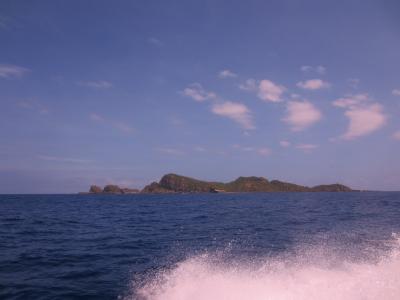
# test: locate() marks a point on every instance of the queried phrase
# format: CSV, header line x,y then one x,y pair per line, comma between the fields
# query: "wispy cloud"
x,y
396,92
34,106
353,82
396,135
199,149
313,84
307,147
96,117
284,144
170,151
365,117
176,121
263,151
270,91
64,159
249,85
198,93
3,22
238,112
227,74
121,126
12,71
301,115
155,41
317,69
99,84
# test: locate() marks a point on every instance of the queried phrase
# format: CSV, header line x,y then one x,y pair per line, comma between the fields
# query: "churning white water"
x,y
203,278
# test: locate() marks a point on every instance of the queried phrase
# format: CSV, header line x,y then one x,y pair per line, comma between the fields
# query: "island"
x,y
173,183
110,189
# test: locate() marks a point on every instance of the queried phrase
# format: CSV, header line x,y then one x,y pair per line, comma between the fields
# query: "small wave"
x,y
308,275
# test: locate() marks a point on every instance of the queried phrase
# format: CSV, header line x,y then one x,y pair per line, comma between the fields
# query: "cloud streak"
x,y
306,147
12,71
99,84
120,126
317,69
34,106
64,159
170,151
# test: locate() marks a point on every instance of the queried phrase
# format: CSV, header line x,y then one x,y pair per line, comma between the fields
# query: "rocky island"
x,y
173,183
110,189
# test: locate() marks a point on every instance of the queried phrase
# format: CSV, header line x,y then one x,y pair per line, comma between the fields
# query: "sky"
x,y
123,92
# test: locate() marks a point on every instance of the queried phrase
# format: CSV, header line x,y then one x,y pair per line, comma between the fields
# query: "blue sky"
x,y
126,91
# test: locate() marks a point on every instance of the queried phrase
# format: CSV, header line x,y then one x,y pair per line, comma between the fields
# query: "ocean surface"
x,y
275,246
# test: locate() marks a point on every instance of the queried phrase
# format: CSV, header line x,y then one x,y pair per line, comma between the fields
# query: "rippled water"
x,y
274,246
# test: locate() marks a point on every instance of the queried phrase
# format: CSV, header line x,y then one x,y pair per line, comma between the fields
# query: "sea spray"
x,y
308,274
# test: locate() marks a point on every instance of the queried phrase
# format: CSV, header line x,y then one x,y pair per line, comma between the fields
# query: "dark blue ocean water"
x,y
151,246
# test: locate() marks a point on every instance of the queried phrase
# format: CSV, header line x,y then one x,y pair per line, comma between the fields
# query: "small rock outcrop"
x,y
94,189
112,189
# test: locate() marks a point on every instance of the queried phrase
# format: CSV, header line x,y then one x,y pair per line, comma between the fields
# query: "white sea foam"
x,y
200,278
310,275
301,277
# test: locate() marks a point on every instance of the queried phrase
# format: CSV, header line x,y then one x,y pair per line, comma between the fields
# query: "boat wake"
x,y
310,274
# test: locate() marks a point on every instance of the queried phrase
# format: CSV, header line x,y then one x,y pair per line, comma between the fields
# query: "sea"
x,y
252,246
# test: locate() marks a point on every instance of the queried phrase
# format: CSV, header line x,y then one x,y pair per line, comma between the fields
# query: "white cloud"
x,y
284,144
313,84
301,115
249,85
198,93
364,116
396,135
11,71
307,147
100,84
396,92
238,112
226,74
364,120
270,91
318,69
